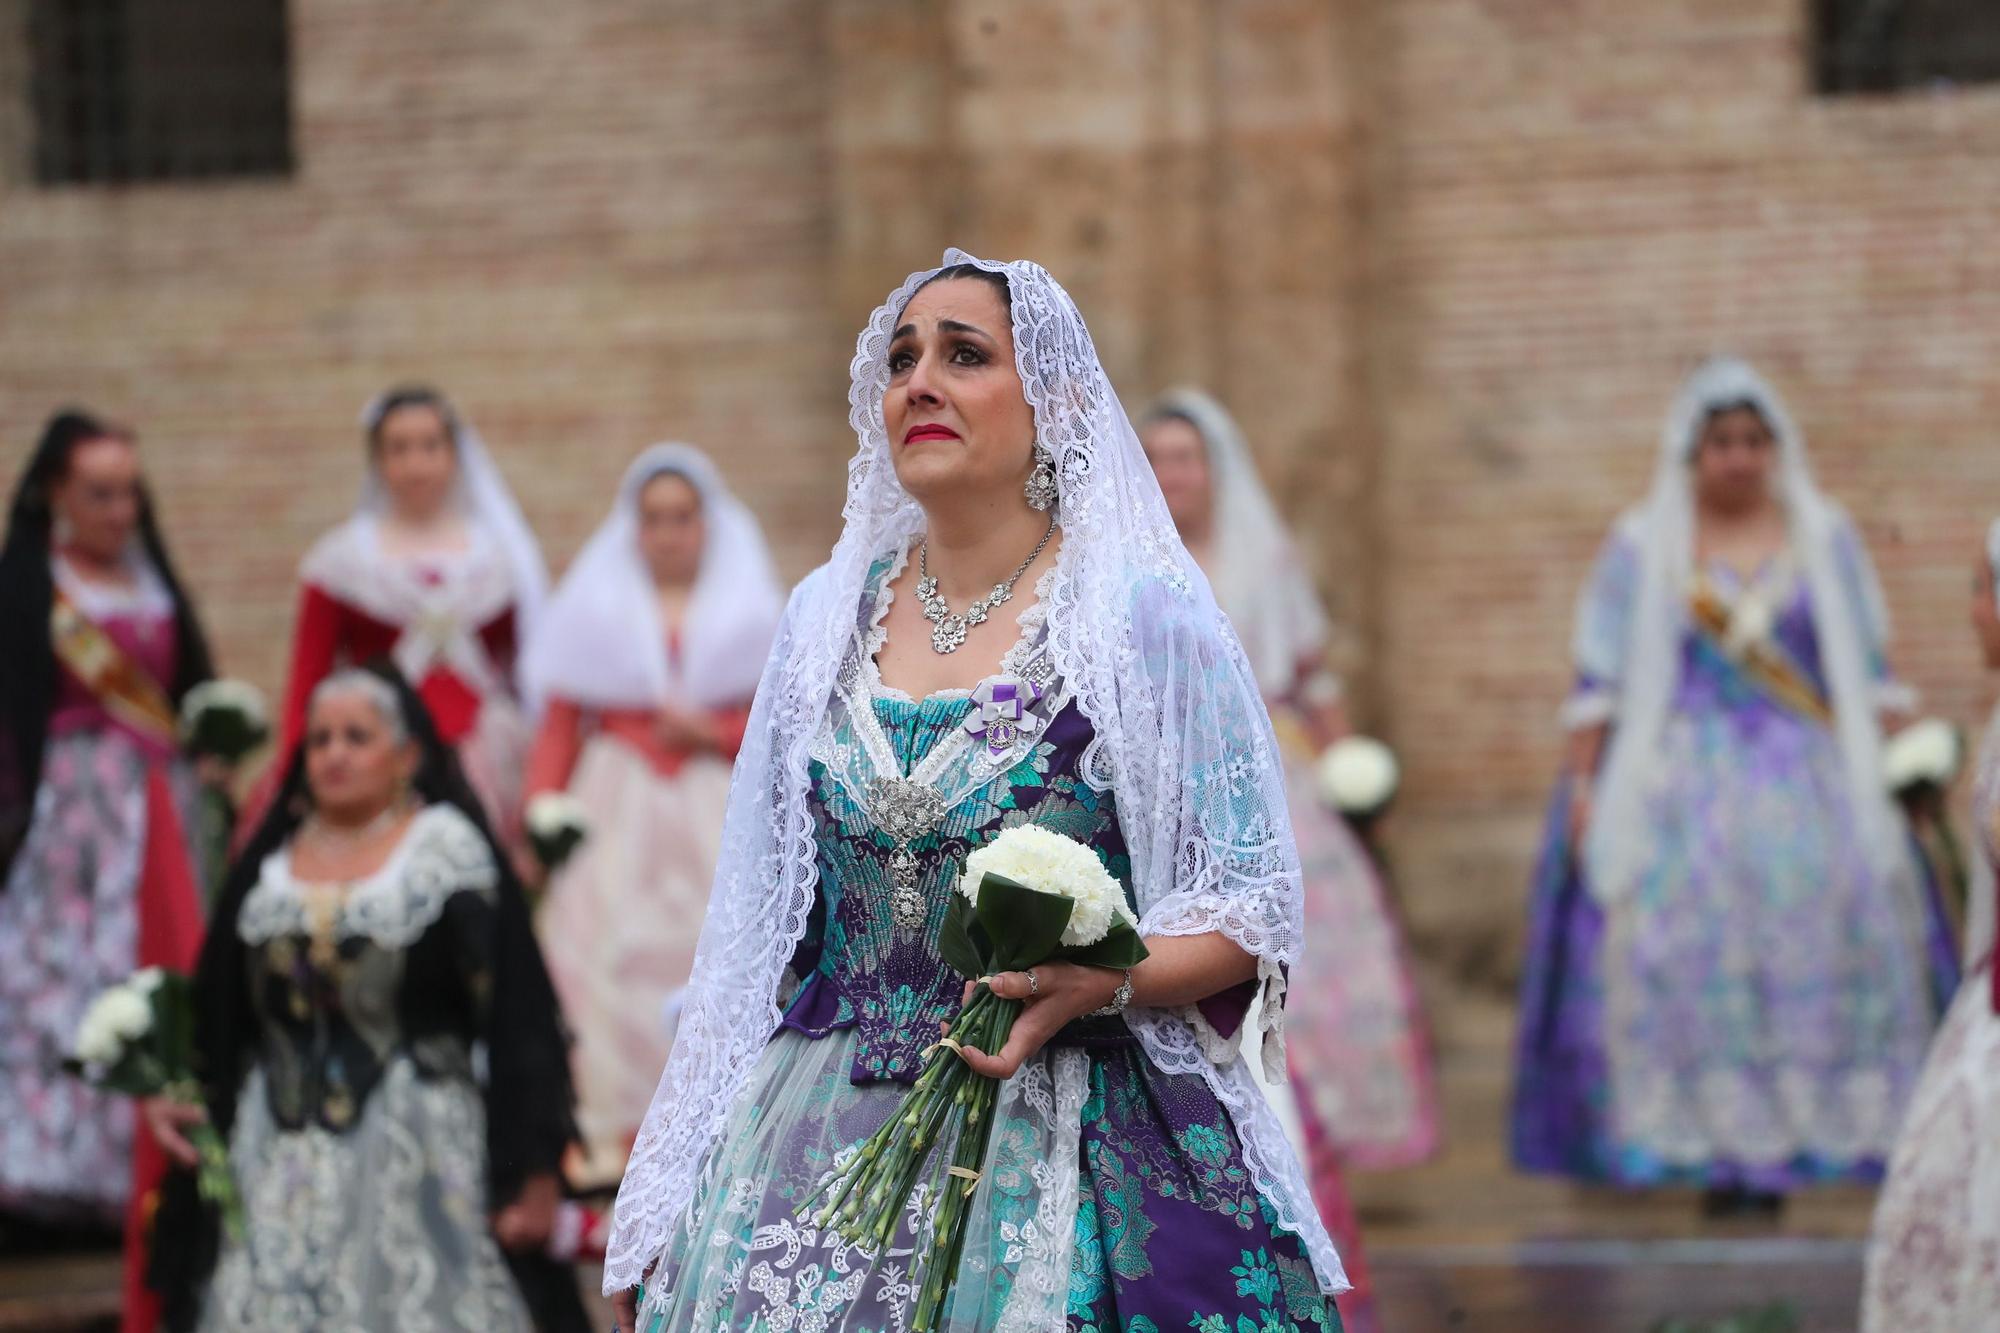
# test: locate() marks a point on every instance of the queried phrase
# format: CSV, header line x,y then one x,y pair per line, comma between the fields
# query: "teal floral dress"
x,y
1115,1195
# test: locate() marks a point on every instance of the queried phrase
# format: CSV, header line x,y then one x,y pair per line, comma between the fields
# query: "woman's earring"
x,y
1041,487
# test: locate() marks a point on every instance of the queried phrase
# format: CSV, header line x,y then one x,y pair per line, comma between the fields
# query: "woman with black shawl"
x,y
379,1044
97,646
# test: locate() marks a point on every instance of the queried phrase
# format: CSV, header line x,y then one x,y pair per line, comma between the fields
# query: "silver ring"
x,y
1034,984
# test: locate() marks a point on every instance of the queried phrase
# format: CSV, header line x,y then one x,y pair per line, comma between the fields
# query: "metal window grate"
x,y
160,90
1879,46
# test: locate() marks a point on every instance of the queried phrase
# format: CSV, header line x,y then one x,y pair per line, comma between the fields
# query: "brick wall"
x,y
1447,258
1585,198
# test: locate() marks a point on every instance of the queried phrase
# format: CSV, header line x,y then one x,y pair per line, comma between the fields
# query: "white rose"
x,y
1051,863
1926,751
1358,775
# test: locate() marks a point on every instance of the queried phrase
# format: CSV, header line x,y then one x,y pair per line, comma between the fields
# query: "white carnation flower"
x,y
1752,622
96,1043
147,980
118,1016
226,696
554,813
1926,751
1050,863
1358,775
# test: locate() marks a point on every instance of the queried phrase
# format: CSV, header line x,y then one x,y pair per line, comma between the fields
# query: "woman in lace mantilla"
x,y
646,658
1934,1255
379,1044
1137,1179
98,645
435,569
1734,963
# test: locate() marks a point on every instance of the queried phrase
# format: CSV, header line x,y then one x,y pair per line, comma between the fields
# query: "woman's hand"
x,y
525,1224
1581,808
1060,992
625,1310
166,1117
686,728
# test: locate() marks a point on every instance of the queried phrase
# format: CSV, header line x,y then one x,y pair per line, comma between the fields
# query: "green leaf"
x,y
957,944
1121,947
1024,924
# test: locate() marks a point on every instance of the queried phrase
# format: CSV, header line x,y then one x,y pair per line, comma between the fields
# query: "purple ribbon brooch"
x,y
1001,712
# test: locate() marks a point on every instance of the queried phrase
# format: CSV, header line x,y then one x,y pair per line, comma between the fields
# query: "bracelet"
x,y
1119,1000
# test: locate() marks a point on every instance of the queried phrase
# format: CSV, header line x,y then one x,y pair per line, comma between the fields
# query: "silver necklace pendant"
x,y
905,810
948,629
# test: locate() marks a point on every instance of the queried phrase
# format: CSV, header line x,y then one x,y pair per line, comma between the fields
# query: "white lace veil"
x,y
1181,734
1848,616
601,643
1981,907
1255,568
482,495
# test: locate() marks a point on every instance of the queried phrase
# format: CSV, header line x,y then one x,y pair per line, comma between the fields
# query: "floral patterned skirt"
x,y
1360,1051
1114,1197
385,1226
1756,1011
618,929
69,928
1934,1257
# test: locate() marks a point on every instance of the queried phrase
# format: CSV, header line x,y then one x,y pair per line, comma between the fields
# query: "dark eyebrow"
x,y
948,325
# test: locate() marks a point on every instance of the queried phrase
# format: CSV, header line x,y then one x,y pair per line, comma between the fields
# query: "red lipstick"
x,y
930,430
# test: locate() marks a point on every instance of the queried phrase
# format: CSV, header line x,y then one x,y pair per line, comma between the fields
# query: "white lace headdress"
x,y
601,642
1850,622
1255,569
1181,733
481,493
440,624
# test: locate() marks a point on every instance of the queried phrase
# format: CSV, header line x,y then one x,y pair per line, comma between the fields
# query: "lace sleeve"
x,y
1602,634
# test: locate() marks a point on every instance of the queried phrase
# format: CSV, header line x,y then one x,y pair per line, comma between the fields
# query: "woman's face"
x,y
1985,614
1734,460
671,529
417,461
97,498
957,420
356,766
1180,462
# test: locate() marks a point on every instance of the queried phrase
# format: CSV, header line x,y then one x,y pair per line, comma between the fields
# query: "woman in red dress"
x,y
647,659
437,570
100,644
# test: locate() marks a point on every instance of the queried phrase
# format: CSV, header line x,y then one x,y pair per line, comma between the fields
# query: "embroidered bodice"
x,y
342,979
901,790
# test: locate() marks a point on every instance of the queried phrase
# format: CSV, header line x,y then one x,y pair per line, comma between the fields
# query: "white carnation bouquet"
x,y
556,827
1026,898
137,1038
1919,764
224,719
1930,752
1359,776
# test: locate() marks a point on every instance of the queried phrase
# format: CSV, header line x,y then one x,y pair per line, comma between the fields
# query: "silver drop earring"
x,y
1041,487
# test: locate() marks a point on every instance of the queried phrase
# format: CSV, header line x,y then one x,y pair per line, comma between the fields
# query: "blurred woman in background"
x,y
437,569
97,645
647,659
1733,961
1934,1255
1362,1083
1354,1028
379,1044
